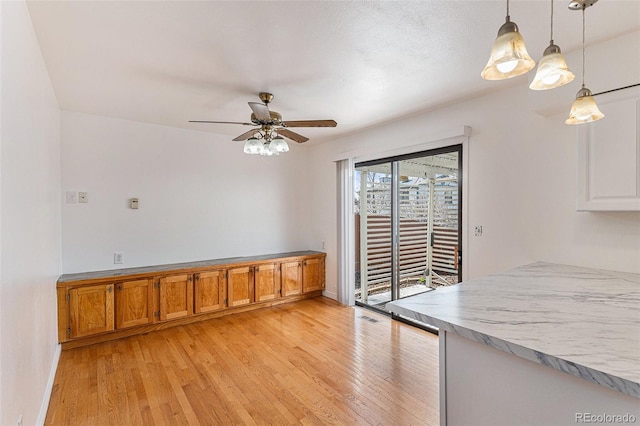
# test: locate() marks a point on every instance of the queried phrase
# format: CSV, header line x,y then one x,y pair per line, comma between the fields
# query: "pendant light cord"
x,y
551,38
583,48
508,17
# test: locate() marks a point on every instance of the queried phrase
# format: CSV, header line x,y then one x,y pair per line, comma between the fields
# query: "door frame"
x,y
346,223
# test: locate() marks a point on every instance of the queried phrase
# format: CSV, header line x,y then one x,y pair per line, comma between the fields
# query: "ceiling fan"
x,y
270,123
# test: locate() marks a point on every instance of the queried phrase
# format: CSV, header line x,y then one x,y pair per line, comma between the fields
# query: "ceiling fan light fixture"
x,y
584,108
509,57
253,146
265,139
279,145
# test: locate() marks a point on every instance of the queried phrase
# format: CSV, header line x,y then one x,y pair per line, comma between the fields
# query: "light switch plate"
x,y
72,197
133,203
83,197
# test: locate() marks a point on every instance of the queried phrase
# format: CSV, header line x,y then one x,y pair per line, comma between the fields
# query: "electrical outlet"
x,y
478,229
118,257
72,197
323,245
83,197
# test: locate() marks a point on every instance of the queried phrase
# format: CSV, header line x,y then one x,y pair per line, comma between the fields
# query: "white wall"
x,y
30,219
200,196
522,175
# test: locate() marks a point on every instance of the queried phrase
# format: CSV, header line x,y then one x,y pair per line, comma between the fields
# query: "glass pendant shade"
x,y
267,150
584,108
253,146
278,144
552,70
509,57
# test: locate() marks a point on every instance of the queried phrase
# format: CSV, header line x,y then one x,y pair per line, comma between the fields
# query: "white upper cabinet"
x,y
609,155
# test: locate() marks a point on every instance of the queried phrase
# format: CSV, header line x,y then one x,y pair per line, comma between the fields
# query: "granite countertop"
x,y
581,321
176,266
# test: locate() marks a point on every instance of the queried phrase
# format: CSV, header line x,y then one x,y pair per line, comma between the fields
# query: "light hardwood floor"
x,y
308,362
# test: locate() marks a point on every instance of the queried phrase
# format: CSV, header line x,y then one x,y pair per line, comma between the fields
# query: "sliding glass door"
x,y
407,224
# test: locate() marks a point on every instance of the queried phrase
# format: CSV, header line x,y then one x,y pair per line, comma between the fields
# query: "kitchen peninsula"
x,y
539,344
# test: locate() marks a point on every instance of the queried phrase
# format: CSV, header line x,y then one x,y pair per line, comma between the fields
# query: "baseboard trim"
x,y
42,416
330,295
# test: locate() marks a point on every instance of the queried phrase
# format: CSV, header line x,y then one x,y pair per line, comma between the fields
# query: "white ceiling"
x,y
358,62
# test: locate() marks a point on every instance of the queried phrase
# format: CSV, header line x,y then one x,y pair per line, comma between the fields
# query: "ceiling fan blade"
x,y
245,135
310,123
292,135
222,122
261,111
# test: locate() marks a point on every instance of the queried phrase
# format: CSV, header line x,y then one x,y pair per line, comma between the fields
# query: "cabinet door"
x,y
134,303
609,155
267,282
176,296
311,275
291,278
210,291
90,310
240,286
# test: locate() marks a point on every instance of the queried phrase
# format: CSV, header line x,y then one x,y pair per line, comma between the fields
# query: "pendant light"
x,y
279,145
267,151
552,68
267,146
584,108
509,57
253,146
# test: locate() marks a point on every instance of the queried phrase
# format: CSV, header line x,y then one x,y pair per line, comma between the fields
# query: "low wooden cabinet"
x,y
100,306
176,296
134,303
210,291
90,310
